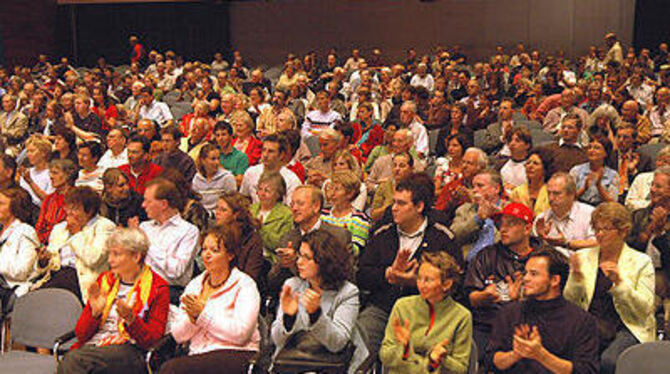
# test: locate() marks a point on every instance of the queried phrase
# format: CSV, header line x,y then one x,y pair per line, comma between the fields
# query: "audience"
x,y
368,130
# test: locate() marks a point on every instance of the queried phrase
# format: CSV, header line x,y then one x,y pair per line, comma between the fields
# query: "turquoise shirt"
x,y
236,162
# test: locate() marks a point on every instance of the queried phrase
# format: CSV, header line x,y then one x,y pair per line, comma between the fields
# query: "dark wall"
x,y
191,30
27,28
265,31
651,23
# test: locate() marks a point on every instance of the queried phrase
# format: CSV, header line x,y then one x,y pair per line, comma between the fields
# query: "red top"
x,y
253,150
375,138
105,115
138,184
296,167
147,328
51,213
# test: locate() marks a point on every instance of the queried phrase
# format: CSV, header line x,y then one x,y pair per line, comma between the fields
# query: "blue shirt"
x,y
591,196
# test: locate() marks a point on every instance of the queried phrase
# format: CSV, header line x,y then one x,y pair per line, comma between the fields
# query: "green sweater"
x,y
452,321
278,222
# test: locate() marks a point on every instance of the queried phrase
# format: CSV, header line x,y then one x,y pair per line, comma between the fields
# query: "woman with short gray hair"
x,y
126,312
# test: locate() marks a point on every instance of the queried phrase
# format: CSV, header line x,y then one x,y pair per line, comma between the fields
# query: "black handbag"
x,y
302,346
7,296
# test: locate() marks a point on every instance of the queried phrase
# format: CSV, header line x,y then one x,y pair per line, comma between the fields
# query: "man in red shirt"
x,y
139,169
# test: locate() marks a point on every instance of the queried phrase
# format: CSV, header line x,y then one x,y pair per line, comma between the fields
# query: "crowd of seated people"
x,y
407,215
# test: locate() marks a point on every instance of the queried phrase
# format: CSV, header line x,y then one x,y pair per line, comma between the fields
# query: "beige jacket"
x,y
633,297
88,247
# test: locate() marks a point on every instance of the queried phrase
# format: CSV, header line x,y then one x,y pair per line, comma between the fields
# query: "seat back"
x,y
644,358
41,316
473,365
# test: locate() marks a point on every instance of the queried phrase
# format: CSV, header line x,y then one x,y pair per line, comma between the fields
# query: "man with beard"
x,y
544,333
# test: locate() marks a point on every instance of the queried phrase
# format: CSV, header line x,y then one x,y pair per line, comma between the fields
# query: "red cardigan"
x,y
146,331
138,184
253,150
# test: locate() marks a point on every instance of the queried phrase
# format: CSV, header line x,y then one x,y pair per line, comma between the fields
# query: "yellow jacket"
x,y
633,297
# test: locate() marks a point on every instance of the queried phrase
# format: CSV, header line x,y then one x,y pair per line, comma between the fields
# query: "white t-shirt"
x,y
42,180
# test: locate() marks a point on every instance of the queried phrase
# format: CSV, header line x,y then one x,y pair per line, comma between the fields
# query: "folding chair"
x,y
39,319
644,358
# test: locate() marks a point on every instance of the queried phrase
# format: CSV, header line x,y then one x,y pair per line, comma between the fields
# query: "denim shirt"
x,y
591,196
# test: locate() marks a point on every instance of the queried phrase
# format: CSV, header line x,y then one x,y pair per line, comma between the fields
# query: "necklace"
x,y
209,282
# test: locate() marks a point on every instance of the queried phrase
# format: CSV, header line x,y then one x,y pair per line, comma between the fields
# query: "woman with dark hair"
x,y
533,193
319,304
512,170
104,108
457,125
119,201
193,210
449,167
596,182
76,253
90,174
63,174
218,313
430,331
212,180
65,145
18,240
233,209
53,118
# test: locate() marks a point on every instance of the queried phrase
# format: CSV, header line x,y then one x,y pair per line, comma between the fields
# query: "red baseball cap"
x,y
517,210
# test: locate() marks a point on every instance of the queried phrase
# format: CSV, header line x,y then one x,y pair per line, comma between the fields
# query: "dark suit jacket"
x,y
380,251
644,165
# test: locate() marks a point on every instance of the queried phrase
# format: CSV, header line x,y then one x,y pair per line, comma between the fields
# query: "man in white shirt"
x,y
173,242
567,224
116,154
321,118
660,113
157,111
275,151
408,119
640,91
422,78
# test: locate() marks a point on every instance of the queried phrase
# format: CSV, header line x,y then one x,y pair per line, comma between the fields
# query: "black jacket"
x,y
380,252
119,213
495,261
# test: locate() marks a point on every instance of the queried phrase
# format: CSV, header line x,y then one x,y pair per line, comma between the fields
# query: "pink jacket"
x,y
229,319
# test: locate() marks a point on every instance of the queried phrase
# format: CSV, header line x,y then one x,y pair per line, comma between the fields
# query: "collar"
x,y
316,226
568,216
171,220
561,143
415,234
535,306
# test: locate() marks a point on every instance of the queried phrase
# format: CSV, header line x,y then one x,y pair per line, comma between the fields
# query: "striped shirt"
x,y
358,224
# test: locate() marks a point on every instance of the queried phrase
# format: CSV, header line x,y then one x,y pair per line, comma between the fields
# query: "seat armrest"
x,y
60,341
